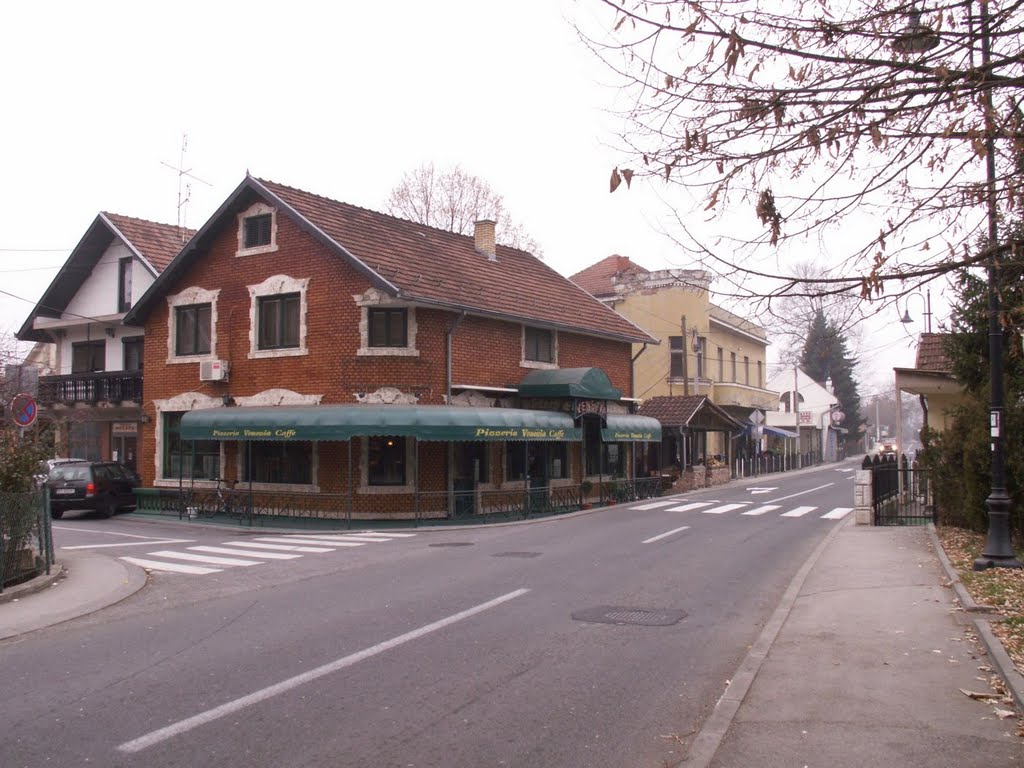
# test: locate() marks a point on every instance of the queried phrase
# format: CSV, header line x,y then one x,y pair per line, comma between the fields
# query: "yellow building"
x,y
932,380
705,349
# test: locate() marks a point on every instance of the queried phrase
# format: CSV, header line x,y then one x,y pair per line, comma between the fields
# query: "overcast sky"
x,y
338,99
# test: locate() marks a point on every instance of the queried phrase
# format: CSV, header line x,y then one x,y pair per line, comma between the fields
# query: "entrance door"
x,y
124,450
537,470
470,467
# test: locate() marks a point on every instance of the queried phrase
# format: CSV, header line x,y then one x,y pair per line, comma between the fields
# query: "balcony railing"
x,y
105,386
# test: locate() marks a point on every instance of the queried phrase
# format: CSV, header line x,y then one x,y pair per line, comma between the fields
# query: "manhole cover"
x,y
453,544
517,554
644,617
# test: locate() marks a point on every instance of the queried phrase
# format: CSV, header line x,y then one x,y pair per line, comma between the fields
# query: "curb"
x,y
1001,660
38,584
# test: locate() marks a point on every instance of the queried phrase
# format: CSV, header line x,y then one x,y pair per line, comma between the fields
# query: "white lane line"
x,y
105,533
314,540
694,505
156,565
275,547
724,508
756,491
245,553
761,510
282,540
230,707
838,513
385,533
132,544
354,537
798,512
208,559
803,493
664,535
655,505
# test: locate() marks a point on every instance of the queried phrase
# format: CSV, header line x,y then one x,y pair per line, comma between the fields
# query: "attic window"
x,y
257,230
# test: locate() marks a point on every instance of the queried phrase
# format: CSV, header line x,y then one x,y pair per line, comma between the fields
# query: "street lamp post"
x,y
906,319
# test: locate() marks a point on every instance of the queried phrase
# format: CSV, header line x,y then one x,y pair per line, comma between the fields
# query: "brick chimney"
x,y
483,238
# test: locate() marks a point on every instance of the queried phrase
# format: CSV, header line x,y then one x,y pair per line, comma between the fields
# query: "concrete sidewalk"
x,y
863,665
79,583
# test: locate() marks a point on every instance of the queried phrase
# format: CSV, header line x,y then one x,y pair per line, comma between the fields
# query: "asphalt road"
x,y
589,640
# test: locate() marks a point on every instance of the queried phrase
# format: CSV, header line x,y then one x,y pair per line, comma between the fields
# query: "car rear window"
x,y
69,473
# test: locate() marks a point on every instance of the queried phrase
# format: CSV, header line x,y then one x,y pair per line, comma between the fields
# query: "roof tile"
x,y
158,243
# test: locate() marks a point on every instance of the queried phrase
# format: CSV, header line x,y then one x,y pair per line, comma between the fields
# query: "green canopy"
x,y
589,383
341,422
622,428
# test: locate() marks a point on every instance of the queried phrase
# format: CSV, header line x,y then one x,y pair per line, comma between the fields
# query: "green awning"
x,y
341,422
623,428
589,383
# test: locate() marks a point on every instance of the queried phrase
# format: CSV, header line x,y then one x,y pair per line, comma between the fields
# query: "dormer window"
x,y
257,230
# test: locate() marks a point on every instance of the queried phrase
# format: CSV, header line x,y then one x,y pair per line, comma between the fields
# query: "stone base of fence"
x,y
862,497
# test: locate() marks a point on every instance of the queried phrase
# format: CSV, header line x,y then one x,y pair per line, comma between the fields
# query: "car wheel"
x,y
108,507
56,514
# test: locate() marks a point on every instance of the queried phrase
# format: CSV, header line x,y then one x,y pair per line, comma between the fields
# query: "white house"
x,y
813,417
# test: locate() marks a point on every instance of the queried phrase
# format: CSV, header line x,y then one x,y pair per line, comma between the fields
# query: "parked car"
x,y
46,466
103,486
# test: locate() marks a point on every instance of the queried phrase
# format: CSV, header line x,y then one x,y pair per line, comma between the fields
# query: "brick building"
x,y
306,347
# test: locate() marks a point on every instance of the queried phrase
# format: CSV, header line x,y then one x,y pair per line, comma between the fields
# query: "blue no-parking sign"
x,y
24,410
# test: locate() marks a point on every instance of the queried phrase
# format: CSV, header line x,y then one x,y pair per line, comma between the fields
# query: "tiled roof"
x,y
725,316
931,353
672,411
158,243
435,266
597,279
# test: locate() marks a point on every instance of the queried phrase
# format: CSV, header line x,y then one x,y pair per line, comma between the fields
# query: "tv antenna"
x,y
184,195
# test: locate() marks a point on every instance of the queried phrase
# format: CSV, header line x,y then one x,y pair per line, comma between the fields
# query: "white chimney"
x,y
483,237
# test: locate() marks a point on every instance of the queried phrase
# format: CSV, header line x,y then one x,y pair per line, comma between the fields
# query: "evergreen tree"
x,y
825,356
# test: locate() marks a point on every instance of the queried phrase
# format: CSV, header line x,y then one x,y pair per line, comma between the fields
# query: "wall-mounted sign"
x,y
580,407
805,417
124,428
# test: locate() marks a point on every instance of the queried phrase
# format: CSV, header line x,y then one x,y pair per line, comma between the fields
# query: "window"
x,y
258,231
386,461
192,329
601,458
746,370
132,351
84,440
387,327
677,357
279,321
278,462
732,360
547,460
701,345
124,284
538,345
760,374
88,356
196,459
721,365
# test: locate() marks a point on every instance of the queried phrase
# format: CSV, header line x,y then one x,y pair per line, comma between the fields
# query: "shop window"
x,y
549,460
192,329
195,459
283,462
84,440
386,461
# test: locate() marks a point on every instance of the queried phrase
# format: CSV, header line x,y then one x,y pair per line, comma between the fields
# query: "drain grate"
x,y
453,544
643,617
517,554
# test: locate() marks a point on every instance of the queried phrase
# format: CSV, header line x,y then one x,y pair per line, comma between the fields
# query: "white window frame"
x,y
277,285
188,297
374,299
257,209
524,363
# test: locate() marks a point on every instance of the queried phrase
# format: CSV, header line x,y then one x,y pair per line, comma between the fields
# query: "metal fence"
x,y
767,463
26,538
242,507
901,491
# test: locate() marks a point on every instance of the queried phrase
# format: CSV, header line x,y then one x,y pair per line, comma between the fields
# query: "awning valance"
x,y
778,432
623,428
341,422
588,383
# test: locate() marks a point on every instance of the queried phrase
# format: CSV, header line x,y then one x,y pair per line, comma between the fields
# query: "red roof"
x,y
598,279
158,243
443,268
931,353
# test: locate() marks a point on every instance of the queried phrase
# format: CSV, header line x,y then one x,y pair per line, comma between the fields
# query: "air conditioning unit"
x,y
213,370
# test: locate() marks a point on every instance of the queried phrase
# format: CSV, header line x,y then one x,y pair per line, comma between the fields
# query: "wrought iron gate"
x,y
901,491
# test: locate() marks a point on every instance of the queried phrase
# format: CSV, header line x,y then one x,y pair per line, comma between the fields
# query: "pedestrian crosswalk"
x,y
746,508
205,559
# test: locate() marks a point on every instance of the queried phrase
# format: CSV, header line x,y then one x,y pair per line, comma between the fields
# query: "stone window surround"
x,y
384,490
378,299
188,297
257,209
274,286
524,363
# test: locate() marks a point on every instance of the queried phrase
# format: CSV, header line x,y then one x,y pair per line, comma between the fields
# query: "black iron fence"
x,y
766,463
242,507
26,538
91,388
901,490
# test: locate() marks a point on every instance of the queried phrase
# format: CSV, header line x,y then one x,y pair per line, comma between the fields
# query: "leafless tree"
x,y
859,129
454,199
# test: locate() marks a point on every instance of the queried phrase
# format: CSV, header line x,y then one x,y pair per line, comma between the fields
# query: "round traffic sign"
x,y
24,410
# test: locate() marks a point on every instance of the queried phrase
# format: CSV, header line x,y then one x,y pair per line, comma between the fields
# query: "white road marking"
x,y
202,558
230,707
761,510
757,491
724,508
156,565
663,535
276,547
356,537
798,512
245,553
838,513
132,544
389,534
282,540
655,505
804,493
327,542
105,533
693,505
